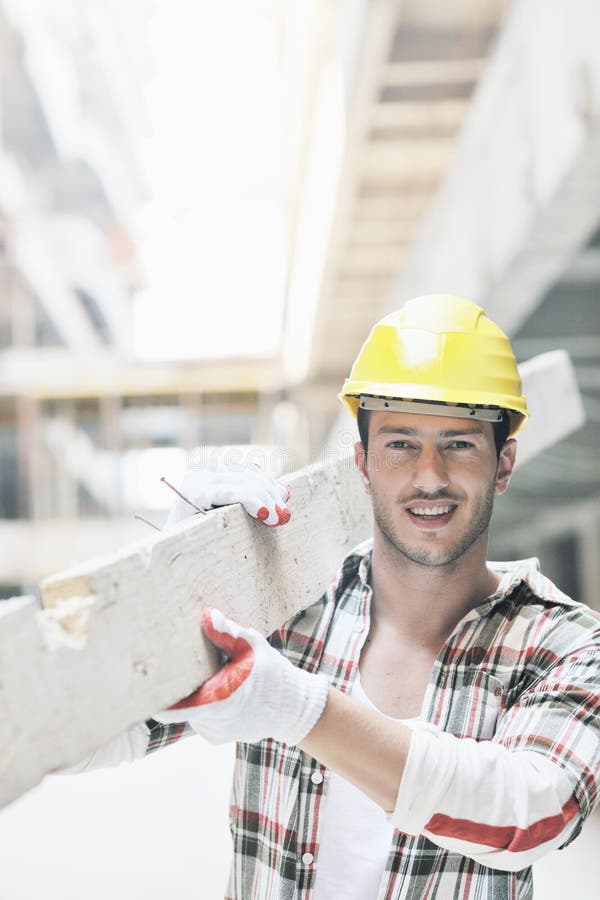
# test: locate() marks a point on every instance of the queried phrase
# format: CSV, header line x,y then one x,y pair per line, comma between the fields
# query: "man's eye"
x,y
460,445
398,445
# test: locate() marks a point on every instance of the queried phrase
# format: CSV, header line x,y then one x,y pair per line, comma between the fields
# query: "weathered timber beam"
x,y
550,385
118,637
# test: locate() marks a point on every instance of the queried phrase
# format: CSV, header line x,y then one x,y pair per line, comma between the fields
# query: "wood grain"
x,y
118,638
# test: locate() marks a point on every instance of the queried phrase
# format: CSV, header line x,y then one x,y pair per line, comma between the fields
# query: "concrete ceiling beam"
x,y
448,71
431,115
520,198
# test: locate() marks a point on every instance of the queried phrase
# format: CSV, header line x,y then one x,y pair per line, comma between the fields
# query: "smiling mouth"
x,y
431,516
432,512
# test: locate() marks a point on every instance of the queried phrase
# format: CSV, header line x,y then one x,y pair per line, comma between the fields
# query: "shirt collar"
x,y
361,557
512,574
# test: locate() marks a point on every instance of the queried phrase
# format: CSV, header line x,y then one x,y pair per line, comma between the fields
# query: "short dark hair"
x,y
501,429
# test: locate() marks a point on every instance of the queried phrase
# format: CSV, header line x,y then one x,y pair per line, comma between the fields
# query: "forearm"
x,y
126,747
501,808
366,748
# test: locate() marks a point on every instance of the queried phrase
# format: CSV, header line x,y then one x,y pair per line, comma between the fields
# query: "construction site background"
x,y
191,264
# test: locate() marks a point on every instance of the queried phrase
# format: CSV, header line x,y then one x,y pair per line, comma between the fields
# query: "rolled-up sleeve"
x,y
126,747
508,801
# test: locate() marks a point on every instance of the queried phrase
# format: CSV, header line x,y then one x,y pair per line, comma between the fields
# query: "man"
x,y
431,725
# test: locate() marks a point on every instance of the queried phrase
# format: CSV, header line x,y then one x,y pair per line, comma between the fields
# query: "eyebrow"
x,y
414,432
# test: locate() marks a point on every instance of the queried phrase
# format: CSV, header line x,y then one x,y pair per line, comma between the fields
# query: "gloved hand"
x,y
261,496
257,694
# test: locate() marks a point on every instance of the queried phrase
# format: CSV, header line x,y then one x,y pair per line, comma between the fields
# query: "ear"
x,y
360,461
506,464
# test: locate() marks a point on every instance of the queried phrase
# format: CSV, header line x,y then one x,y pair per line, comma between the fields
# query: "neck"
x,y
425,603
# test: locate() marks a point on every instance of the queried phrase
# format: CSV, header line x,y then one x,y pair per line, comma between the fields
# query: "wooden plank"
x,y
550,384
118,638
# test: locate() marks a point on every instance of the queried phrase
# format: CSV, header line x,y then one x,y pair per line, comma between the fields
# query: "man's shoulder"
x,y
554,615
523,576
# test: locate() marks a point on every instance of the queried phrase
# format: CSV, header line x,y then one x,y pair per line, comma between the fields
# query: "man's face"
x,y
432,481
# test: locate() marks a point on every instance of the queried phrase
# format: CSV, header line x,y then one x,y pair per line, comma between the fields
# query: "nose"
x,y
430,474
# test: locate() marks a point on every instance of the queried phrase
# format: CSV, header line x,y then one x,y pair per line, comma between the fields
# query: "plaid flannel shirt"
x,y
521,671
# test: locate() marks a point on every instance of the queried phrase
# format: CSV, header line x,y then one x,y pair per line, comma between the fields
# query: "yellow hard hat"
x,y
438,349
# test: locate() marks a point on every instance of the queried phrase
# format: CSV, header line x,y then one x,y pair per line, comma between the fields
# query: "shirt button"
x,y
358,627
307,859
316,778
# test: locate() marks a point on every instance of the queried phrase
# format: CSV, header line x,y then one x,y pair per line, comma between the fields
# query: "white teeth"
x,y
431,511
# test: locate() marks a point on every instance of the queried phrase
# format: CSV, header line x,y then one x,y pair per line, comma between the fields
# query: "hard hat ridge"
x,y
440,349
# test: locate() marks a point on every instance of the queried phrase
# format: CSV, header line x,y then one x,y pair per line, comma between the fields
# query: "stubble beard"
x,y
435,556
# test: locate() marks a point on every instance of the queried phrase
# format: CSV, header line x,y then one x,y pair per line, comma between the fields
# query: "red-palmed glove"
x,y
262,497
257,694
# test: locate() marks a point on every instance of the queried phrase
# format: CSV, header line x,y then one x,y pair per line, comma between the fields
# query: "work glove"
x,y
257,694
261,496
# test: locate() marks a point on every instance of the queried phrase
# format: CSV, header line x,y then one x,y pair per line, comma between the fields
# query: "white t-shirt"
x,y
355,838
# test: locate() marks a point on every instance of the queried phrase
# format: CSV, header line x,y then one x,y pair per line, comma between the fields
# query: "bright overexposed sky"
x,y
212,240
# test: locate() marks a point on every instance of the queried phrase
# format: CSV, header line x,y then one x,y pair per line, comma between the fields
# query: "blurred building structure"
x,y
77,408
429,147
